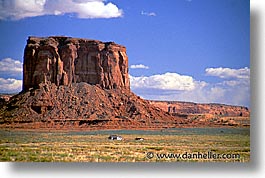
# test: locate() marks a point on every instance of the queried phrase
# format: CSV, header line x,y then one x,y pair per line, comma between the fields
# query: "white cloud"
x,y
19,9
139,66
167,81
148,13
10,67
10,85
243,73
234,89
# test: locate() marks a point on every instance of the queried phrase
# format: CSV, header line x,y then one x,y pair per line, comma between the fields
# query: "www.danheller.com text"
x,y
197,155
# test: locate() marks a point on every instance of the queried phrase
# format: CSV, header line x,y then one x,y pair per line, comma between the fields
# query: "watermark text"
x,y
193,156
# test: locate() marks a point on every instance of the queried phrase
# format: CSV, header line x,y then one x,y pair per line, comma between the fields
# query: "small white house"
x,y
115,137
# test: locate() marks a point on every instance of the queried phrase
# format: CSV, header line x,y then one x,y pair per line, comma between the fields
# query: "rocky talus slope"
x,y
82,106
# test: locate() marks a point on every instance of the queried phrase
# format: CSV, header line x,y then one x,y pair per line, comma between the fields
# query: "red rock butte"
x,y
65,60
73,83
81,84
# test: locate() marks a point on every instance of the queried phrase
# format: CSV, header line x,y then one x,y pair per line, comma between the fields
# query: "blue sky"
x,y
188,50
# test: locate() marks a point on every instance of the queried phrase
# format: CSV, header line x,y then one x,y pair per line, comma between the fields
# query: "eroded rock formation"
x,y
199,108
198,114
82,106
65,60
74,84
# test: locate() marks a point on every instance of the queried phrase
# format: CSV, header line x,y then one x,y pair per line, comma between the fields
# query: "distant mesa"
x,y
178,107
65,60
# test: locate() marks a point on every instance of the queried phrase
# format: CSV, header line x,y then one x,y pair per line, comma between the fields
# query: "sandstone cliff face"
x,y
65,60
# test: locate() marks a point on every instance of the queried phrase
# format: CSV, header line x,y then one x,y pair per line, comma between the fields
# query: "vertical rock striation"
x,y
65,60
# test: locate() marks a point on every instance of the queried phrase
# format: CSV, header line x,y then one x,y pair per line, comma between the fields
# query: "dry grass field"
x,y
85,147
